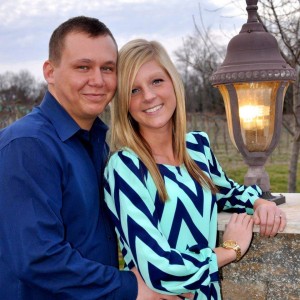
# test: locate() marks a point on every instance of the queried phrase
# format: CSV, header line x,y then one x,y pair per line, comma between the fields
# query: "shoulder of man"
x,y
32,125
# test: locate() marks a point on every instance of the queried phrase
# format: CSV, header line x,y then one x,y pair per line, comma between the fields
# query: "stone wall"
x,y
270,270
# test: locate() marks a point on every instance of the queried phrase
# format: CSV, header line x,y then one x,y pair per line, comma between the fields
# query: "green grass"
x,y
277,167
278,174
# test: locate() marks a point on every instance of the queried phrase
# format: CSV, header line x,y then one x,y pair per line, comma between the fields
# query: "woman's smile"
x,y
154,109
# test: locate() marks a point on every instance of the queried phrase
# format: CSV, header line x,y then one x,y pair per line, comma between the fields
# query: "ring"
x,y
278,216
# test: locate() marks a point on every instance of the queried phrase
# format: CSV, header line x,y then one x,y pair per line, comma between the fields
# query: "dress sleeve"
x,y
33,231
130,198
231,195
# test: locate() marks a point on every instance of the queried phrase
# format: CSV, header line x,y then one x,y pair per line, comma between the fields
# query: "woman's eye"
x,y
157,81
134,91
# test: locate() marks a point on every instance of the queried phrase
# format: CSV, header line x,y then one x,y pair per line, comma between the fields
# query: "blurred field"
x,y
229,157
231,160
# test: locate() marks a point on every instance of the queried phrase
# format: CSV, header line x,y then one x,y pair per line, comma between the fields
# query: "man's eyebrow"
x,y
110,62
87,60
82,60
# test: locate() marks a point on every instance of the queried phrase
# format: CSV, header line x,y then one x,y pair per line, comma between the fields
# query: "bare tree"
x,y
19,92
197,59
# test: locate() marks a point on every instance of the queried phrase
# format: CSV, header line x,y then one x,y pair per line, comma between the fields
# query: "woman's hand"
x,y
239,229
145,293
269,217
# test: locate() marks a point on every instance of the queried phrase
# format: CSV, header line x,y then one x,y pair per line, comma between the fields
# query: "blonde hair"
x,y
125,132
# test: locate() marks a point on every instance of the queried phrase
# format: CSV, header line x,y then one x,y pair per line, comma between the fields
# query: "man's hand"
x,y
145,293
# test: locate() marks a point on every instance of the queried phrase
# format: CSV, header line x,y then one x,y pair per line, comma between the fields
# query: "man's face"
x,y
85,80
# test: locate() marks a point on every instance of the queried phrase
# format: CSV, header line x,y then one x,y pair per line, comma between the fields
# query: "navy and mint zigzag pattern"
x,y
143,227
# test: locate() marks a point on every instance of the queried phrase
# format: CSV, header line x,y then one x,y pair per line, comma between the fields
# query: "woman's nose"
x,y
149,94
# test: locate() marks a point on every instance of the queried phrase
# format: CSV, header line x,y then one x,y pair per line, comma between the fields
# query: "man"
x,y
56,241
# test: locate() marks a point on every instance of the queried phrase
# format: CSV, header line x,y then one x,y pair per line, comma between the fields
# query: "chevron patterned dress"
x,y
172,243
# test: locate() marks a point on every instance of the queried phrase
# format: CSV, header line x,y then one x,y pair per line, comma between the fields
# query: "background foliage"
x,y
197,59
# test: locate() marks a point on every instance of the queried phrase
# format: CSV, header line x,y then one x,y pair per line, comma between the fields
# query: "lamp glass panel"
x,y
226,98
256,101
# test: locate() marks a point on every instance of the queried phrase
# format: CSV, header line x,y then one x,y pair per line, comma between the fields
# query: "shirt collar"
x,y
63,123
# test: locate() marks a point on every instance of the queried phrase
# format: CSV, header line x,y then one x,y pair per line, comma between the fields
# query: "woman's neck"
x,y
162,149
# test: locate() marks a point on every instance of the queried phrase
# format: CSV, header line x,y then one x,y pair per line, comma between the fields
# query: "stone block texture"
x,y
270,270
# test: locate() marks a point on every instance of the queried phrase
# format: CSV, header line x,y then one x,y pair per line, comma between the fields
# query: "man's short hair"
x,y
81,24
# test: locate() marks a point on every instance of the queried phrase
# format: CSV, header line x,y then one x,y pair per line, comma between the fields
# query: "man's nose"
x,y
97,78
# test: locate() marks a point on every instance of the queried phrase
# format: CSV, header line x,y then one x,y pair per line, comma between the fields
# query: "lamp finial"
x,y
252,11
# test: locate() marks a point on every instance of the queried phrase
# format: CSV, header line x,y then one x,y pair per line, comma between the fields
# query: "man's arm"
x,y
32,230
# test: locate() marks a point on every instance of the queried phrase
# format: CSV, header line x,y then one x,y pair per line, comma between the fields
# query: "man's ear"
x,y
48,70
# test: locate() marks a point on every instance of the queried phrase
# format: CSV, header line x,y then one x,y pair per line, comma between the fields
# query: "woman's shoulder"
x,y
198,137
125,164
198,145
125,156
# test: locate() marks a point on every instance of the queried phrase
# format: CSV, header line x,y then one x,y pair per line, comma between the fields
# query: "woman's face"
x,y
153,100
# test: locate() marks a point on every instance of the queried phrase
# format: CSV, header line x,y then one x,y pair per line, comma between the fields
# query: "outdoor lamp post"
x,y
253,80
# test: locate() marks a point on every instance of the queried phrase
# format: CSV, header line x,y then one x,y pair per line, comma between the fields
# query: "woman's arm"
x,y
241,198
231,195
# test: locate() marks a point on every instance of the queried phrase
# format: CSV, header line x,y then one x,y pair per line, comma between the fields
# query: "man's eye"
x,y
107,69
83,67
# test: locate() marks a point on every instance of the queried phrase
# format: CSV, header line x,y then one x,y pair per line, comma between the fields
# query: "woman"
x,y
164,187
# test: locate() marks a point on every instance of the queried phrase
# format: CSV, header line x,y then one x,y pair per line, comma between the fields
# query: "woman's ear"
x,y
48,71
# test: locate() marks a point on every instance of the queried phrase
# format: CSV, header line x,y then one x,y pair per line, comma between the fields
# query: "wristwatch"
x,y
233,245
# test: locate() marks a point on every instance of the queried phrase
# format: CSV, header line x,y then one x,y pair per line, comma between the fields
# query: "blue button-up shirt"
x,y
56,241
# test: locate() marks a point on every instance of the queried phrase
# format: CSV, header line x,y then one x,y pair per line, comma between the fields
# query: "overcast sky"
x,y
26,25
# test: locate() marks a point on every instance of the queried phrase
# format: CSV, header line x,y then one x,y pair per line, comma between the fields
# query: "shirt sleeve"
x,y
164,269
32,231
231,195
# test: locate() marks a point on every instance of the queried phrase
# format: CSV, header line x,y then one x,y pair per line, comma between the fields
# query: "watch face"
x,y
230,243
233,245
